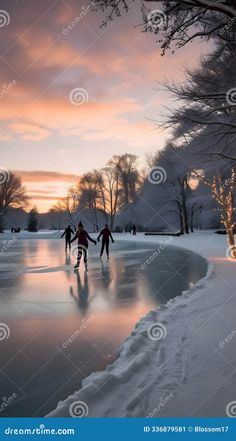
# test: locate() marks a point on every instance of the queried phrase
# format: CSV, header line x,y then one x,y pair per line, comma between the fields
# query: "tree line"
x,y
108,190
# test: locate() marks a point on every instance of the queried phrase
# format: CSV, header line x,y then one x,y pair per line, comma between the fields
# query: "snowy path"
x,y
190,372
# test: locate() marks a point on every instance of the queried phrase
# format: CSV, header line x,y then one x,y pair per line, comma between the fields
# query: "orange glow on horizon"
x,y
45,188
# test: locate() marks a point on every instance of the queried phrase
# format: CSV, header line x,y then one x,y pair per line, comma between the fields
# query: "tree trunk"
x,y
1,224
72,220
105,215
182,184
229,224
185,215
112,222
191,220
231,242
180,219
126,195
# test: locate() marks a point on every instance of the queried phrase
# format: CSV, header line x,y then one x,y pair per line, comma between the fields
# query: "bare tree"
x,y
70,204
176,23
208,103
112,188
57,214
88,194
176,183
112,191
102,192
12,194
130,179
226,156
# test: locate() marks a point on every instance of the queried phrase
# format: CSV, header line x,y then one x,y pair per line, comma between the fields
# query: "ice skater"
x,y
106,235
83,238
134,230
67,233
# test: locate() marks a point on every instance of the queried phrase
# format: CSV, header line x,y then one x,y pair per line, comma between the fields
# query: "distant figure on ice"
x,y
67,233
83,238
15,230
106,235
134,230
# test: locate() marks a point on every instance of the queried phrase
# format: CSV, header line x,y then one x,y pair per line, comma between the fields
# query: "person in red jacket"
x,y
83,238
106,235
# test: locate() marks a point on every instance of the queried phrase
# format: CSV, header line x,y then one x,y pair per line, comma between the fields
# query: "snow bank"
x,y
180,359
42,234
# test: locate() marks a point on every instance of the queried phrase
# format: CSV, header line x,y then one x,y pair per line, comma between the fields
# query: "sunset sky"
x,y
45,138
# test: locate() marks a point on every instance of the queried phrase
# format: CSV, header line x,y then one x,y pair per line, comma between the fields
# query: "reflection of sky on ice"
x,y
45,302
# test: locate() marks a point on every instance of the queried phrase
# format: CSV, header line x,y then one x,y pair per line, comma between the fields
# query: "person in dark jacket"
x,y
67,233
83,238
134,230
106,235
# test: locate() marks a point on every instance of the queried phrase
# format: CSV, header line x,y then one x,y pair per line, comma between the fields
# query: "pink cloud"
x,y
28,131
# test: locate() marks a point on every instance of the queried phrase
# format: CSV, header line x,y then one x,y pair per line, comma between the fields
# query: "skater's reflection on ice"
x,y
82,297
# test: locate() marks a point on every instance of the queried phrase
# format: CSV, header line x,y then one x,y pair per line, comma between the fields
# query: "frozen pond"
x,y
64,324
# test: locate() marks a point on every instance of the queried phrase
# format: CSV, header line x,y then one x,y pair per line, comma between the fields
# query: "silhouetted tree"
x,y
12,194
128,176
57,212
208,96
176,23
33,220
176,183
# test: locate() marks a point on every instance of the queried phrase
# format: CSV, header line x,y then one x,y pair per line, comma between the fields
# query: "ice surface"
x,y
65,325
190,372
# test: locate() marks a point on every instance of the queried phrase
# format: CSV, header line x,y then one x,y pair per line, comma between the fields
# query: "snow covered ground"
x,y
180,360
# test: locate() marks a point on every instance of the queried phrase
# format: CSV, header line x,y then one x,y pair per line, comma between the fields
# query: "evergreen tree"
x,y
33,220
